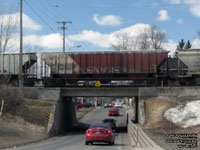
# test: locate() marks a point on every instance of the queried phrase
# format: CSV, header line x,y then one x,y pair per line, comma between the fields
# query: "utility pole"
x,y
21,46
64,28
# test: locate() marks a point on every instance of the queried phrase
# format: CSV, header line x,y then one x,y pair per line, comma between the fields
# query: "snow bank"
x,y
184,115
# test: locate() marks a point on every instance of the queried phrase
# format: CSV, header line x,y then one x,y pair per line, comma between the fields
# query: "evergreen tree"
x,y
181,44
188,45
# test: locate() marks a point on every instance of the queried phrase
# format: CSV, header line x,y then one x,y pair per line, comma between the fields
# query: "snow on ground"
x,y
184,115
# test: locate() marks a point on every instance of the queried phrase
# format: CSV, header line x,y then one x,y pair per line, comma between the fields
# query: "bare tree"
x,y
8,26
151,38
124,42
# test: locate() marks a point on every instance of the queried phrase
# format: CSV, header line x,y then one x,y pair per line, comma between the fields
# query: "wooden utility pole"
x,y
64,28
21,46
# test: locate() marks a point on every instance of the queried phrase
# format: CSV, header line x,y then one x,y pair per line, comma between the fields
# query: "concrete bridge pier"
x,y
63,116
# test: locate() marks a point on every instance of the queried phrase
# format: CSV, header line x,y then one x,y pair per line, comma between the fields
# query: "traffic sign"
x,y
97,83
47,116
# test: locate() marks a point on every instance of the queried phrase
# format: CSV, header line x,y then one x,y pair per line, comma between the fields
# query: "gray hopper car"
x,y
9,66
191,58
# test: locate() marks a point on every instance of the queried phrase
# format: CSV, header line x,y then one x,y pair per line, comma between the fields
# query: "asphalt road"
x,y
76,141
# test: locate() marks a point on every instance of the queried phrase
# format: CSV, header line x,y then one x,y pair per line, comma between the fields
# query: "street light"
x,y
78,46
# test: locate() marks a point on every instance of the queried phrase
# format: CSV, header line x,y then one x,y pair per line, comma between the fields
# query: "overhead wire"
x,y
41,18
79,36
59,14
45,11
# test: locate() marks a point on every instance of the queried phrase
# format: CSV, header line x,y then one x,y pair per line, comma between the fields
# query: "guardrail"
x,y
133,133
138,138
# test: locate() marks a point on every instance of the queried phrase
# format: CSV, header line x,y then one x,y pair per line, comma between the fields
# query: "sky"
x,y
95,23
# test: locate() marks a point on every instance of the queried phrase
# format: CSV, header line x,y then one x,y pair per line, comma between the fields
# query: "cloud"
x,y
195,10
29,23
170,46
50,41
163,15
108,20
194,5
179,21
106,40
174,1
14,19
196,43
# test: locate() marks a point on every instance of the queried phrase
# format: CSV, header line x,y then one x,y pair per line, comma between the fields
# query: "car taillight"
x,y
109,131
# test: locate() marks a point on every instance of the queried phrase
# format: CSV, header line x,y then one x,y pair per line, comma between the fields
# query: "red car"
x,y
113,112
99,133
79,104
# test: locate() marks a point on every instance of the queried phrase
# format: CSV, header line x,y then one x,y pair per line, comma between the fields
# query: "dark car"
x,y
108,104
99,133
87,104
111,122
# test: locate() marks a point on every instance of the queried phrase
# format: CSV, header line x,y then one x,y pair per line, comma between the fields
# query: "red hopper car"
x,y
140,67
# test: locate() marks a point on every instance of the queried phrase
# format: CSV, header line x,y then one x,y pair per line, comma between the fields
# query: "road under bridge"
x,y
64,107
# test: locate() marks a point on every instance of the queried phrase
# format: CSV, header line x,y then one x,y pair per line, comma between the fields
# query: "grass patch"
x,y
34,111
155,109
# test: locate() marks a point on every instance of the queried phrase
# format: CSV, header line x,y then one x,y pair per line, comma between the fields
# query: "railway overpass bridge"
x,y
63,112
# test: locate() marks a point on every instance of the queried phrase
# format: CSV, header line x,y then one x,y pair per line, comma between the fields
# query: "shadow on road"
x,y
82,127
104,144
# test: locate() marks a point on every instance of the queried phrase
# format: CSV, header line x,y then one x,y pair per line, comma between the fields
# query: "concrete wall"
x,y
174,93
42,93
100,92
63,117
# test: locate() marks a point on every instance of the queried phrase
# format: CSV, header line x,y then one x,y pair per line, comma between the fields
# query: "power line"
x,y
42,19
39,16
59,14
79,37
45,11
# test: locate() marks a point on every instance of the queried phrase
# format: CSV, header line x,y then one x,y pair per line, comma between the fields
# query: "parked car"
x,y
99,133
111,122
79,104
113,112
87,104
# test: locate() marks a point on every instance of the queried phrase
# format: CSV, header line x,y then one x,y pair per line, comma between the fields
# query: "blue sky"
x,y
95,22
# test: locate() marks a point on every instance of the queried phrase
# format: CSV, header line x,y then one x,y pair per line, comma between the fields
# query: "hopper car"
x,y
9,68
140,68
134,68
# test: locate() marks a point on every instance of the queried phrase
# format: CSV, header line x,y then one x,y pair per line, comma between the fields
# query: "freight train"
x,y
134,68
106,67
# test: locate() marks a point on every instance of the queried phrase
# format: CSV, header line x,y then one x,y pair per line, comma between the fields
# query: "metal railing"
x,y
133,133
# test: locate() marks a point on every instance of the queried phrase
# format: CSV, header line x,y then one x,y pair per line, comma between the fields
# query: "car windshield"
x,y
99,126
